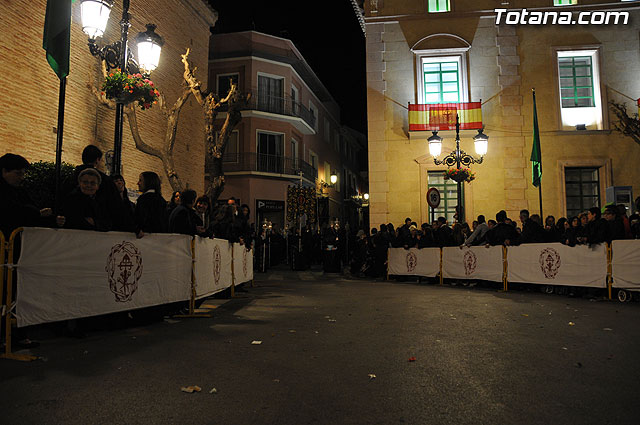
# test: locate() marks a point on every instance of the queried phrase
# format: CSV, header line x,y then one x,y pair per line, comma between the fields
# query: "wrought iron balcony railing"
x,y
281,106
275,164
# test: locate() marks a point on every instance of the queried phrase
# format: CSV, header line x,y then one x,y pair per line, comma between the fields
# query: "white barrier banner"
x,y
242,264
68,274
626,264
213,266
414,262
557,264
476,262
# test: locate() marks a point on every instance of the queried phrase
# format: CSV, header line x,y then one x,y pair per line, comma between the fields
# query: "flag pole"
x,y
59,133
540,198
536,154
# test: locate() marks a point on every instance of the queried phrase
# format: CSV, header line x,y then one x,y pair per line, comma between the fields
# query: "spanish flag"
x,y
442,116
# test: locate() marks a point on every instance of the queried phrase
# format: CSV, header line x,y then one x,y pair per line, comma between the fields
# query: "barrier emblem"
x,y
217,260
244,261
470,262
412,262
550,263
124,268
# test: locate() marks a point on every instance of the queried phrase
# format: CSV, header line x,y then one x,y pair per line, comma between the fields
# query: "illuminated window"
x,y
564,2
441,82
436,6
449,194
579,90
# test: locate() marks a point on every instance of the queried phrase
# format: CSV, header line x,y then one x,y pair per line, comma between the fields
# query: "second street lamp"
x,y
459,157
95,14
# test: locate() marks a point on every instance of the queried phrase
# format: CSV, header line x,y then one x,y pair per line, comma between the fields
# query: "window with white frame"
x,y
314,113
327,131
271,93
579,89
294,153
436,6
336,140
231,151
442,76
313,160
327,172
295,99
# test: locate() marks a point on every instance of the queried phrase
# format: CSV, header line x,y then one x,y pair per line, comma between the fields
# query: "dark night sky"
x,y
328,35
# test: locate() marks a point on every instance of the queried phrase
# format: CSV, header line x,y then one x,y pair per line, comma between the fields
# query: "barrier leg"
x,y
7,307
193,312
505,284
233,275
3,247
441,276
609,269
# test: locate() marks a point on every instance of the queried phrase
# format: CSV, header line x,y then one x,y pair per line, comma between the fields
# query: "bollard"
x,y
7,308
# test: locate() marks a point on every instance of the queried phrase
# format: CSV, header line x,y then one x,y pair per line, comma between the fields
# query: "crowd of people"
x,y
91,200
591,227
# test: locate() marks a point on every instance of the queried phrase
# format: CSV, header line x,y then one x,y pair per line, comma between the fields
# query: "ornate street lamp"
x,y
459,157
95,14
334,178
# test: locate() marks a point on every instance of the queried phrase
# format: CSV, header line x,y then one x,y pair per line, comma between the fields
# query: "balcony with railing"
x,y
284,109
270,164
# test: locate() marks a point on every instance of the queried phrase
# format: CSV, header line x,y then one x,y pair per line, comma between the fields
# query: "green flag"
x,y
57,35
536,156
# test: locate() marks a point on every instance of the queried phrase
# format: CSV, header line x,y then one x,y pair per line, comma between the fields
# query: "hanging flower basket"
x,y
126,88
459,175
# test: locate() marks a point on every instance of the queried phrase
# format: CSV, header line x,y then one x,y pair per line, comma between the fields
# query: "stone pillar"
x,y
376,87
512,120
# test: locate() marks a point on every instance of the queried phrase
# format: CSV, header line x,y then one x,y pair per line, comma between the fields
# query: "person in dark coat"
x,y
596,228
128,207
17,209
502,233
443,233
173,202
81,209
107,195
151,208
532,231
615,224
184,219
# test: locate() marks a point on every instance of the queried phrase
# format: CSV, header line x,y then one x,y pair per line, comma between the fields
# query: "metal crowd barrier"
x,y
609,281
8,306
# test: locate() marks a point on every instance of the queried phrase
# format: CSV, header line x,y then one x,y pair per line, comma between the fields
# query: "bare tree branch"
x,y
165,154
627,125
193,83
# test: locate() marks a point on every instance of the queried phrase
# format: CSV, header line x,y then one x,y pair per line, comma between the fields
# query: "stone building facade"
x,y
499,65
29,88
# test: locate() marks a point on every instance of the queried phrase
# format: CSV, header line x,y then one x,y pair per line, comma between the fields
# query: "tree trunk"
x,y
165,154
215,147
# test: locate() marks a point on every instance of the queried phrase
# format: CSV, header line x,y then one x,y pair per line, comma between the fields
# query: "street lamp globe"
x,y
94,15
149,46
435,144
366,196
334,178
481,142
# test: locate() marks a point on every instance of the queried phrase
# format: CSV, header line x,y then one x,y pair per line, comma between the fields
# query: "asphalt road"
x,y
481,357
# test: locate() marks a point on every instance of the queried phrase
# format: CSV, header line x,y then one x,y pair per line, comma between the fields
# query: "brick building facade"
x,y
29,88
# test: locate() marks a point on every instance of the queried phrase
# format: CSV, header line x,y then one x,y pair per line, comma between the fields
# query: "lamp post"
x,y
459,157
95,14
